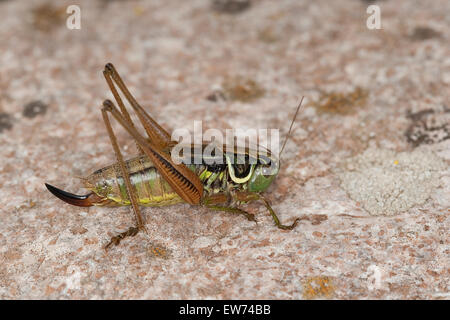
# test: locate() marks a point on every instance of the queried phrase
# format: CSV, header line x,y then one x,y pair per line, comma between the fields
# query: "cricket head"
x,y
264,173
256,168
268,165
260,173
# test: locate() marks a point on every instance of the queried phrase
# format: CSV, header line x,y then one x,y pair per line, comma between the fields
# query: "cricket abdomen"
x,y
148,185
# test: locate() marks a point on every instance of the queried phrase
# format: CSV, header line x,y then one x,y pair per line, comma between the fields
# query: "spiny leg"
x,y
249,216
131,232
158,145
123,109
126,177
157,134
182,180
116,95
246,197
275,218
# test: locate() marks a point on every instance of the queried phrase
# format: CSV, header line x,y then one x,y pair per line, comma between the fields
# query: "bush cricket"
x,y
153,178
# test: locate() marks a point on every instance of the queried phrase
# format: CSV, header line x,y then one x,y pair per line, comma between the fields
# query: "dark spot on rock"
x,y
424,33
34,108
316,287
78,230
318,218
242,89
47,17
230,6
428,126
419,115
5,122
216,95
159,251
341,103
267,35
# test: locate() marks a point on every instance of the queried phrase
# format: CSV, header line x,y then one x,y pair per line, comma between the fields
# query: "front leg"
x,y
220,202
247,197
249,216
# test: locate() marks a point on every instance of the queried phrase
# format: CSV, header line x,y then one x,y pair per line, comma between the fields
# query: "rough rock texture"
x,y
387,183
377,89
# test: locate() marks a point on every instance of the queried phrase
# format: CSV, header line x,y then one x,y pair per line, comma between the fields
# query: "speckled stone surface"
x,y
387,90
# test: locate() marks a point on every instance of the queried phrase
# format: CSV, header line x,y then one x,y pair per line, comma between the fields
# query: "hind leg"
x,y
132,231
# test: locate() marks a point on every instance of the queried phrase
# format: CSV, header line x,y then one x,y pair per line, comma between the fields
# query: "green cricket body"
x,y
152,190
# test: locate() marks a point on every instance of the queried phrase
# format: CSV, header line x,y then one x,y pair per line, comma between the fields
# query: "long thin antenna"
x,y
290,128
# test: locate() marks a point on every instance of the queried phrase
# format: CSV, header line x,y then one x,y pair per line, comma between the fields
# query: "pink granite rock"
x,y
175,54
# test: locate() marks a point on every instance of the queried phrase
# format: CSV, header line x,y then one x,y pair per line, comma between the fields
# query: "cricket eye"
x,y
241,170
267,171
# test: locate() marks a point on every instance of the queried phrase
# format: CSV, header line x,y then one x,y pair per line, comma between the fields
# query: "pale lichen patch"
x,y
386,182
